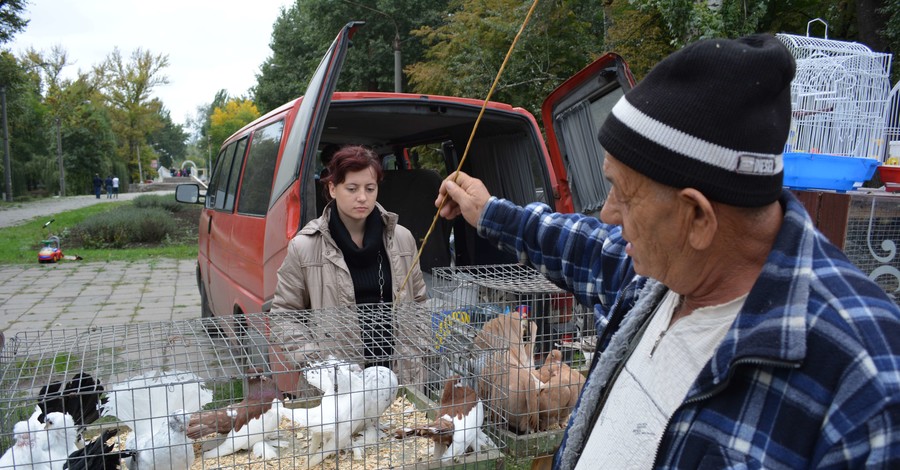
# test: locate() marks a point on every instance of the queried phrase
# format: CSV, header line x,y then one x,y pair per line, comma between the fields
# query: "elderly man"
x,y
733,334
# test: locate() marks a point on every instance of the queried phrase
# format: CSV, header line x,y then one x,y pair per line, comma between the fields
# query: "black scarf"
x,y
375,324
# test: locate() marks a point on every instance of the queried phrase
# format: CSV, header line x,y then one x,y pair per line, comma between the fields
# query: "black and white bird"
x,y
168,447
457,429
80,397
147,402
55,442
98,455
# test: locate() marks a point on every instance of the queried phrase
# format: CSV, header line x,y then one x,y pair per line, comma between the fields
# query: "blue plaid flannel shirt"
x,y
807,376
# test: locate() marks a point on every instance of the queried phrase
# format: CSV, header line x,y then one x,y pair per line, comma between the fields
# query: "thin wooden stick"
x,y
469,143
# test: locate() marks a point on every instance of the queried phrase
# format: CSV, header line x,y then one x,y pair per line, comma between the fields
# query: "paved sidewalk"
x,y
74,294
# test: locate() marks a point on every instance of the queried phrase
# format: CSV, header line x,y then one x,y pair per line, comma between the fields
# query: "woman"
x,y
355,253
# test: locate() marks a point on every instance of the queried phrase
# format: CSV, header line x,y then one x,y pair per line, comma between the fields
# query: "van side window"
x,y
240,150
215,179
223,169
256,186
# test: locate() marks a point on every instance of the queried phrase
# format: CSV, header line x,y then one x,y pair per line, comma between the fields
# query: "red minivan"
x,y
264,186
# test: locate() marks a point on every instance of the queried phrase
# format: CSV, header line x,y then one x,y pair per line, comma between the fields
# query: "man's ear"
x,y
703,222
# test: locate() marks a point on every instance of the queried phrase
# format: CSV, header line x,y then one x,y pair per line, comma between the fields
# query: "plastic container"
x,y
821,171
890,176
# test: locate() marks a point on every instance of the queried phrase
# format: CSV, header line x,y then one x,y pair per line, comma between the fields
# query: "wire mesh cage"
x,y
839,97
525,321
352,387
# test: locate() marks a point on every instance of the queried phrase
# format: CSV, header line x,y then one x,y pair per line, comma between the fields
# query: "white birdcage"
x,y
839,97
303,385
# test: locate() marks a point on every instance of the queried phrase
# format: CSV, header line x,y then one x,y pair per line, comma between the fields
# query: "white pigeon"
x,y
54,444
264,450
19,454
359,402
383,381
167,448
318,418
25,433
146,402
248,435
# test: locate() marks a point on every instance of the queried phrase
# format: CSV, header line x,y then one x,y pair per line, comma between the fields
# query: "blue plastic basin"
x,y
821,171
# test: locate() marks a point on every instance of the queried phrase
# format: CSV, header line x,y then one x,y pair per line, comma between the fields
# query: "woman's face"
x,y
355,196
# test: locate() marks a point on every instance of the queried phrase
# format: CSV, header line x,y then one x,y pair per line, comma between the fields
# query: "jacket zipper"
x,y
718,388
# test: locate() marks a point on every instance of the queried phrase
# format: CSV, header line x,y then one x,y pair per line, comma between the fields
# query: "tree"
x,y
228,119
11,21
168,141
466,51
127,87
303,32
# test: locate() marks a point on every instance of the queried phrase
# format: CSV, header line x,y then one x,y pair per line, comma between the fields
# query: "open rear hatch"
x,y
572,116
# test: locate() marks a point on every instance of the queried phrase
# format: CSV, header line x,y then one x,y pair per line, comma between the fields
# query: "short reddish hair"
x,y
352,158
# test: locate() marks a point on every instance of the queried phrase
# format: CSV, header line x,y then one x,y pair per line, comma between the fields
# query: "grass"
x,y
20,244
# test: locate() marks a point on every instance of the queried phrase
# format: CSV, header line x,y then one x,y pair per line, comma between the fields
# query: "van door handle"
x,y
209,225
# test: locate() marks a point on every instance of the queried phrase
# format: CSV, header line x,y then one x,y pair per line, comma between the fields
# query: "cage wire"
x,y
526,330
892,130
476,294
352,387
839,97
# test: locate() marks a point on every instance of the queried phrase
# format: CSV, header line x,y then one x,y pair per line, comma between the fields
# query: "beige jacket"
x,y
315,275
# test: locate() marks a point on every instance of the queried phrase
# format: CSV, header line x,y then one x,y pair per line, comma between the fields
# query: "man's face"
x,y
652,222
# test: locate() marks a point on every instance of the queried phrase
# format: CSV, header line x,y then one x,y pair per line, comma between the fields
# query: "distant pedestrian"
x,y
108,184
98,184
115,183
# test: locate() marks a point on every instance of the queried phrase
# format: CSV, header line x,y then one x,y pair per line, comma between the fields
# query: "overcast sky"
x,y
211,44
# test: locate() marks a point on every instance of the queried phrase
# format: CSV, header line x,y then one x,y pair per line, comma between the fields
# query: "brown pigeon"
x,y
261,389
458,426
508,381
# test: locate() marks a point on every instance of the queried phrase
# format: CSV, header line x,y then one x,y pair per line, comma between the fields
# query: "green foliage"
x,y
228,119
11,20
164,202
126,226
465,52
19,244
303,33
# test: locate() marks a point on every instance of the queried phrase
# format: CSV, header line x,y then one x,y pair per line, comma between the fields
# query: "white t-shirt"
x,y
653,384
116,182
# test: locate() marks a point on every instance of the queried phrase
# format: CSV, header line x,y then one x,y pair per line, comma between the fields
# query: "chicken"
x,y
79,397
167,447
507,377
54,444
248,435
98,455
146,402
458,426
259,392
557,400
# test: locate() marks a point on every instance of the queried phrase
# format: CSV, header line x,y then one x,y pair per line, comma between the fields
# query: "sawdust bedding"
x,y
387,453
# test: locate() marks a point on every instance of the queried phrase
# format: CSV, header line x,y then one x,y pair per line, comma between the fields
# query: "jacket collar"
x,y
320,225
772,325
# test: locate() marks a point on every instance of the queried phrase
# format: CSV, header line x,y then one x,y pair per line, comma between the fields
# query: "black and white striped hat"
x,y
713,116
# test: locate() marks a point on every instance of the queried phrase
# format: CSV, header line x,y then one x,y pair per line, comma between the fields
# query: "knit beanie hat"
x,y
713,116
